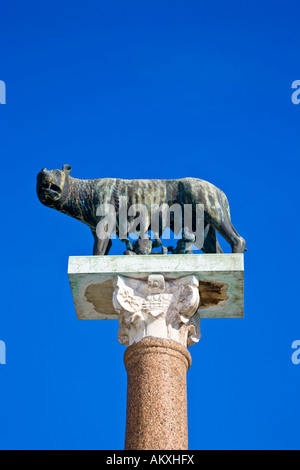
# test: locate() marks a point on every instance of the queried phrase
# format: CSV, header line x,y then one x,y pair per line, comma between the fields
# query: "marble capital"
x,y
157,307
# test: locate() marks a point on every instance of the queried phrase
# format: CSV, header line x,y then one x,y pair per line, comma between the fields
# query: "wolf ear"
x,y
67,169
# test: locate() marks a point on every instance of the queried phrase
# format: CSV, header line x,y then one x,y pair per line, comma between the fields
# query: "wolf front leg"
x,y
101,246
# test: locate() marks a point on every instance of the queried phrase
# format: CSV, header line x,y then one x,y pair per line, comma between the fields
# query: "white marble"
x,y
220,276
157,307
173,265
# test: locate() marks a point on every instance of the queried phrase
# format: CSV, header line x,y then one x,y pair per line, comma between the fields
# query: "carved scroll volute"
x,y
157,307
128,303
188,298
186,301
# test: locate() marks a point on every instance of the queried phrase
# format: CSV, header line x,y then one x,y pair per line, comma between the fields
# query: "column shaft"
x,y
156,395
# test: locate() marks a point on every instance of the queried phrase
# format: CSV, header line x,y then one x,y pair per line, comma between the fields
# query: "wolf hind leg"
x,y
237,243
211,243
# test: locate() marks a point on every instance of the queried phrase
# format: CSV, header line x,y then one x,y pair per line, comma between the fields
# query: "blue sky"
x,y
160,90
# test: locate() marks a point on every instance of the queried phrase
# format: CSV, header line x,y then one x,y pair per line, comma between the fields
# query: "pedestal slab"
x,y
221,281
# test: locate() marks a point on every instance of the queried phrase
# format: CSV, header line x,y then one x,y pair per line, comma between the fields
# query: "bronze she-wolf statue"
x,y
81,198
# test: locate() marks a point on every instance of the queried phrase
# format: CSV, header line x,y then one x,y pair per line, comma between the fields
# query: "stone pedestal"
x,y
156,323
158,301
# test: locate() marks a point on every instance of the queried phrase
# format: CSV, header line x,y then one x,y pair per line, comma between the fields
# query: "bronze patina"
x,y
80,199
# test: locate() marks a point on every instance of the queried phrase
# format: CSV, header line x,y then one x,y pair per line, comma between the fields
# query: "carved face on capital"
x,y
50,185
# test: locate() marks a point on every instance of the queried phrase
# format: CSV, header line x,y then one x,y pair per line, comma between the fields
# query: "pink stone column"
x,y
157,322
156,395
